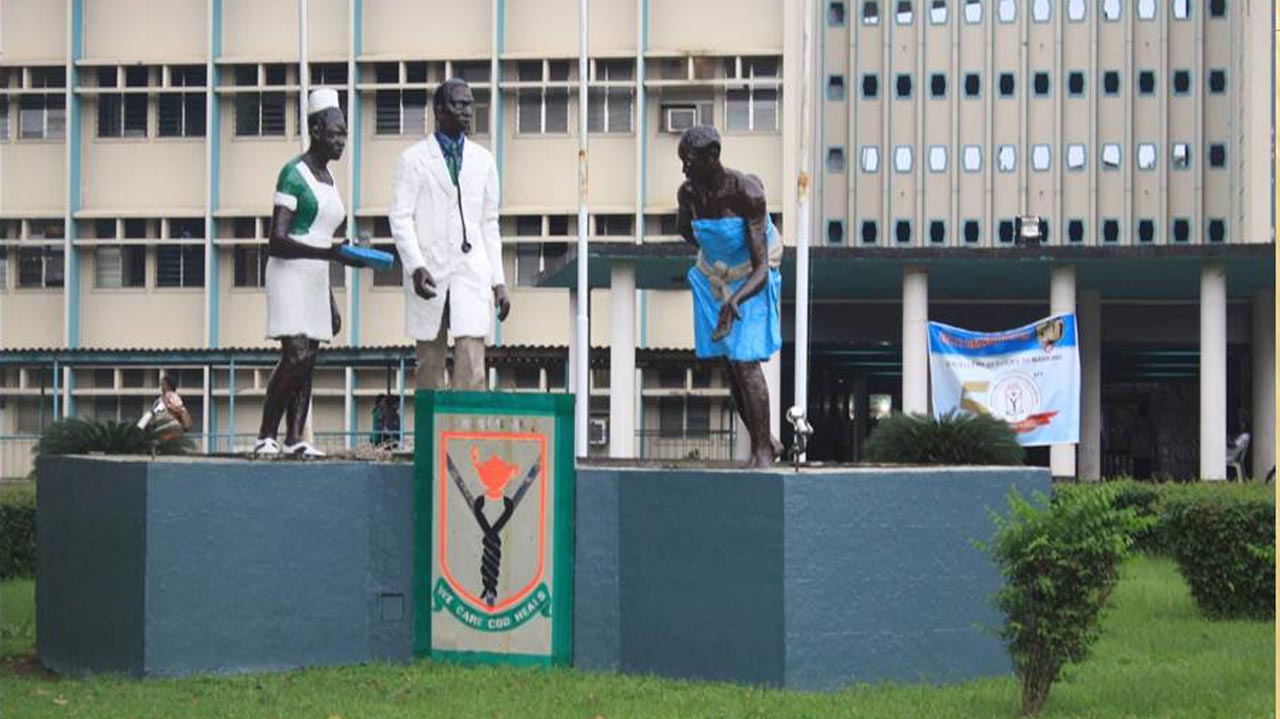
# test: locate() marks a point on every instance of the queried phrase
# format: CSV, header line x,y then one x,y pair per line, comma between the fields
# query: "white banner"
x,y
1029,377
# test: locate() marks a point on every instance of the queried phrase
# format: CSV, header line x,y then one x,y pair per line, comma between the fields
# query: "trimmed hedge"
x,y
1225,549
17,531
1221,535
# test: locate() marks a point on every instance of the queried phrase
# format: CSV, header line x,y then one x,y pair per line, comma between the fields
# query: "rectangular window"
x,y
543,111
251,266
393,277
835,88
181,265
4,119
182,113
4,268
42,117
754,108
41,266
698,416
609,108
120,266
400,112
122,114
528,263
835,14
938,12
260,114
835,159
480,113
670,417
870,12
614,225
331,74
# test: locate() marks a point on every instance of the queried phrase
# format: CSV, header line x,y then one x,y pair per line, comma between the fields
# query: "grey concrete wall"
x,y
883,580
810,581
90,566
231,565
597,644
701,589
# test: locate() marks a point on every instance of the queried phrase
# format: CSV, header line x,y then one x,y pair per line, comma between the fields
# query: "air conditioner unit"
x,y
598,431
678,118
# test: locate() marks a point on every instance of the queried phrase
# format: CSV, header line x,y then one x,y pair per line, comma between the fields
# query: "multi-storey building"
x,y
140,139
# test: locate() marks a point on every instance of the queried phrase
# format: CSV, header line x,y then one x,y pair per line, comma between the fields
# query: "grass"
x,y
1158,659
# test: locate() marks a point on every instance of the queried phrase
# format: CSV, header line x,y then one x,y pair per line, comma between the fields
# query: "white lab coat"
x,y
425,225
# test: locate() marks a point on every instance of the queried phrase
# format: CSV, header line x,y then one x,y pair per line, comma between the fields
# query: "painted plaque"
x,y
494,525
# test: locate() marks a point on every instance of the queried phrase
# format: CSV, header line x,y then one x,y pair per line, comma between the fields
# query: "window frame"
x,y
757,84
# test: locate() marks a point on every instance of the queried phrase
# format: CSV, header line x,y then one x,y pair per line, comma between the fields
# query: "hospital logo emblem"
x,y
492,492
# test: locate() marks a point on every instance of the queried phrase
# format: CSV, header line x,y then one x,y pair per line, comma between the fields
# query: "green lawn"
x,y
1157,658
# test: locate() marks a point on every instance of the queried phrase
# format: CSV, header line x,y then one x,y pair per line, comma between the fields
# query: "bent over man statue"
x,y
736,284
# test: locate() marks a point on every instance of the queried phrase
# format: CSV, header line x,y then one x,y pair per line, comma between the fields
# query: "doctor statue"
x,y
444,218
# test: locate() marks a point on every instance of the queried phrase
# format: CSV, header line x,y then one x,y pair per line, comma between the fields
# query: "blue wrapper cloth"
x,y
724,262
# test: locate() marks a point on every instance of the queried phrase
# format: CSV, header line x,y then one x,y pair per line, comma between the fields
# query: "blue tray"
x,y
369,257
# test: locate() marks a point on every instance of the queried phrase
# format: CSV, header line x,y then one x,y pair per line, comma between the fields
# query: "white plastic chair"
x,y
1235,456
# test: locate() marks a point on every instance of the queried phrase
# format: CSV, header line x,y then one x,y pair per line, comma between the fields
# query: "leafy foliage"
x,y
956,438
1060,561
84,436
18,531
1224,544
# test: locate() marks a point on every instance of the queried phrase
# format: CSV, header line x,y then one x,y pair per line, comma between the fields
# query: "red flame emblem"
x,y
494,473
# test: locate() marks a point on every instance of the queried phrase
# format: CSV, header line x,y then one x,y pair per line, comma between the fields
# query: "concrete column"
x,y
1263,426
773,378
1089,324
1213,372
622,361
1062,298
915,341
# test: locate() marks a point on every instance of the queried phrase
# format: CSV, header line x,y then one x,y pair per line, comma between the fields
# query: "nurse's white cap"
x,y
321,98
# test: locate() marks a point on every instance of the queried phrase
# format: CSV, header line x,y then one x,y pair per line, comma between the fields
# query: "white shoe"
x,y
266,446
302,449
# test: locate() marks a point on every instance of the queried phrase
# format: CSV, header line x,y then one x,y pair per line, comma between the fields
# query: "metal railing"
x,y
330,442
657,444
17,458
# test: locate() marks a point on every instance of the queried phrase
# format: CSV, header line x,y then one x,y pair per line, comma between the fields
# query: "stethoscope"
x,y
462,219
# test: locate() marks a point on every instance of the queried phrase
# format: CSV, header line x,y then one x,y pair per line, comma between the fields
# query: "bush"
x,y
84,436
1147,499
956,438
1224,544
17,531
1060,561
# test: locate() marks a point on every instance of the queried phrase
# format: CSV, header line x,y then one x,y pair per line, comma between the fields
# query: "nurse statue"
x,y
301,311
736,284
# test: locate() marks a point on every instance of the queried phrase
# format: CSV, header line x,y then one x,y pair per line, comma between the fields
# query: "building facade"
x,y
140,139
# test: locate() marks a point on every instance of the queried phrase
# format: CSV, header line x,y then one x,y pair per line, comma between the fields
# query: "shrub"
x,y
17,531
1147,499
1060,561
956,438
83,436
1224,544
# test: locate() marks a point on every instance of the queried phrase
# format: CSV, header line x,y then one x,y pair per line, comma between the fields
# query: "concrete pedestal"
x,y
182,566
809,581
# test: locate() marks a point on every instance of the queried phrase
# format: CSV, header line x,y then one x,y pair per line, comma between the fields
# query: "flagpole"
x,y
303,75
582,397
804,190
